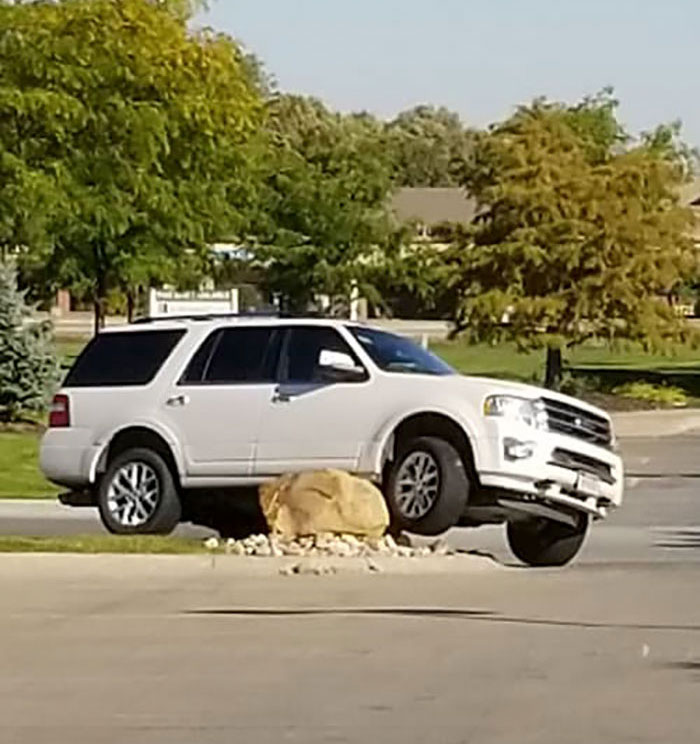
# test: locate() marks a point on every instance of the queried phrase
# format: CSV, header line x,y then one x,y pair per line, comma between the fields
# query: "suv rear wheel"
x,y
545,542
137,495
426,487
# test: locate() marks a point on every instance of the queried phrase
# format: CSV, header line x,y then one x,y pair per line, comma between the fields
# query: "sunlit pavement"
x,y
189,649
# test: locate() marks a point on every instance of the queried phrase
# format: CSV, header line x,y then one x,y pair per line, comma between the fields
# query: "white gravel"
x,y
317,551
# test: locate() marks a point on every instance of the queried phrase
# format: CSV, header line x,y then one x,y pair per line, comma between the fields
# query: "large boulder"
x,y
321,502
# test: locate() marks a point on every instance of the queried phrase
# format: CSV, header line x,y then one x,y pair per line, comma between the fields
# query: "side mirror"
x,y
337,366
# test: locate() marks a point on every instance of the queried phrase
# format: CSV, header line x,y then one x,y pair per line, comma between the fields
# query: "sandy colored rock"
x,y
324,501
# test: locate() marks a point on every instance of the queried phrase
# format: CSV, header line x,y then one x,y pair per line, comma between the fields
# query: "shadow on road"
x,y
433,613
684,539
236,515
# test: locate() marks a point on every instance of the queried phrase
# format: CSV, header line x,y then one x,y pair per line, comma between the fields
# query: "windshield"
x,y
397,354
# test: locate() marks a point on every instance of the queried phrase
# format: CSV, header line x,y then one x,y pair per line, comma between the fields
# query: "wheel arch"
x,y
139,435
427,423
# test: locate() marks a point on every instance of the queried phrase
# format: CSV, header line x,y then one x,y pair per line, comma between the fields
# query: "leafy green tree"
x,y
580,234
429,146
138,133
324,216
28,366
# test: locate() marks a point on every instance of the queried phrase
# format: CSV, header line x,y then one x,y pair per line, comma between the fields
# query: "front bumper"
x,y
557,469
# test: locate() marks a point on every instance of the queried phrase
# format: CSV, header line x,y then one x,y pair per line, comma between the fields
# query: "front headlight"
x,y
530,412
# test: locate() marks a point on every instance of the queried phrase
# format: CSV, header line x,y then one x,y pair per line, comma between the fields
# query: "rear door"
x,y
309,422
217,405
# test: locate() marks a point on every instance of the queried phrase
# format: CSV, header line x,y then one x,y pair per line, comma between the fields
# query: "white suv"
x,y
161,408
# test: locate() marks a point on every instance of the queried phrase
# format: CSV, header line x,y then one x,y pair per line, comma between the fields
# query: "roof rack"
x,y
204,317
223,316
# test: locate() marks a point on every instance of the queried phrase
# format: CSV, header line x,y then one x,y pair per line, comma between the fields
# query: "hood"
x,y
490,386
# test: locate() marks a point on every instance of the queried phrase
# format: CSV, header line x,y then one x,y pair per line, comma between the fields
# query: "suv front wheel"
x,y
137,495
426,487
544,542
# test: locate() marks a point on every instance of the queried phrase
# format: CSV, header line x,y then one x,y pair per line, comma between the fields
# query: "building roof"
x,y
433,206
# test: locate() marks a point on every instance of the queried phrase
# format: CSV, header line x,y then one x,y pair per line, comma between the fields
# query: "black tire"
x,y
166,510
546,542
452,494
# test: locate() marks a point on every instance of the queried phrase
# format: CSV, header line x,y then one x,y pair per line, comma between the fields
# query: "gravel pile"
x,y
327,545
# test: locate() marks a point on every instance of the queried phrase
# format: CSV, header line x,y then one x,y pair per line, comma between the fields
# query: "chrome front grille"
x,y
583,464
564,418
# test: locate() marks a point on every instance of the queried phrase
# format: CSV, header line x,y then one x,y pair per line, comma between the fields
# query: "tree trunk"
x,y
98,304
554,368
98,315
130,303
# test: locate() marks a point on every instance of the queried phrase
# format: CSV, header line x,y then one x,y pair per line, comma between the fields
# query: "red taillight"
x,y
59,413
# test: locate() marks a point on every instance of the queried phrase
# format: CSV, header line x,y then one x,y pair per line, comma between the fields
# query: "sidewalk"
x,y
666,423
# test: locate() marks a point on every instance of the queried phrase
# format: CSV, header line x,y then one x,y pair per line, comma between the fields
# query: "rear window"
x,y
122,359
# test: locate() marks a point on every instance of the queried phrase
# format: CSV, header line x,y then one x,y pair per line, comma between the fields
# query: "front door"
x,y
216,407
309,420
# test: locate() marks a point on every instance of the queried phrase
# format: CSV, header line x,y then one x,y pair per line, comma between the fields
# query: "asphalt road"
x,y
177,650
161,650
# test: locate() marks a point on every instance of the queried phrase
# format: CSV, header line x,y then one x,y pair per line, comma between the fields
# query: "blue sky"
x,y
479,57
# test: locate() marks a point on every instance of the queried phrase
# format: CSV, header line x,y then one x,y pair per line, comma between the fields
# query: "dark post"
x,y
554,367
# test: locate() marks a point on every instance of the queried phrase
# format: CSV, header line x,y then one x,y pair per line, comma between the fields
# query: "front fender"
x,y
376,455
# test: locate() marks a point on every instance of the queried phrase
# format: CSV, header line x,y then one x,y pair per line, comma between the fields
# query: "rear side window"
x,y
235,355
122,359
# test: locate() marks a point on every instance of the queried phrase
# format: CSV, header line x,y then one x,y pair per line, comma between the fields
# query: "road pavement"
x,y
161,650
176,650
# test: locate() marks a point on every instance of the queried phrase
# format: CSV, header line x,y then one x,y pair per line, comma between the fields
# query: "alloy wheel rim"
x,y
417,485
133,494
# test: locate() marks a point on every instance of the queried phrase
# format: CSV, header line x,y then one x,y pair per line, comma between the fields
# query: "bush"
x,y
28,366
580,385
660,395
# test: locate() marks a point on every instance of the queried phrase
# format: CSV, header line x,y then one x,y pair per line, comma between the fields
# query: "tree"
x,y
141,132
428,146
28,366
324,214
580,233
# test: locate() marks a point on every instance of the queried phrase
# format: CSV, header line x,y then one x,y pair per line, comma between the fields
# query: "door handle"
x,y
177,401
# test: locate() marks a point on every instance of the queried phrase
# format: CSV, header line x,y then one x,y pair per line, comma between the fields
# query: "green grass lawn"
x,y
20,476
611,367
102,544
68,348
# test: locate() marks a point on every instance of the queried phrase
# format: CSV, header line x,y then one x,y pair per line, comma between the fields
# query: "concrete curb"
x,y
636,424
110,565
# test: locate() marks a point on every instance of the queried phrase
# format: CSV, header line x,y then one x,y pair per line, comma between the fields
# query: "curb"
x,y
111,565
637,424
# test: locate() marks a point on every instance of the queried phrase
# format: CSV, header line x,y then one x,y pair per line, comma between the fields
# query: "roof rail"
x,y
204,317
253,314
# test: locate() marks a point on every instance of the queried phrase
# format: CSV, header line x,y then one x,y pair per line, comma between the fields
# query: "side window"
x,y
200,361
123,359
304,347
235,355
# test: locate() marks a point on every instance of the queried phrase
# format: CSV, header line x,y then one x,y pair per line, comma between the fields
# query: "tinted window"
x,y
304,350
122,359
397,354
197,366
243,355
